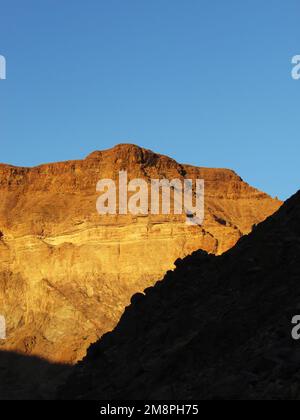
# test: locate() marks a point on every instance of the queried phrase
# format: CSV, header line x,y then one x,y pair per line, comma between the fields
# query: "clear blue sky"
x,y
207,82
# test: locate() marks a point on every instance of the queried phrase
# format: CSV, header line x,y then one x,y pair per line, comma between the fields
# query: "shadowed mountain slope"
x,y
67,273
215,328
29,378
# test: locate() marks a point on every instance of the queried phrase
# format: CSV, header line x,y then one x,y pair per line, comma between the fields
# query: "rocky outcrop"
x,y
67,273
218,327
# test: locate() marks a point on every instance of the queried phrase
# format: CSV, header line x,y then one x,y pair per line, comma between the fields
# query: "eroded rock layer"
x,y
67,273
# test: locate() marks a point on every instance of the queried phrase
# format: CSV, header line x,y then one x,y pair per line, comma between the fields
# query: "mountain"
x,y
67,273
218,327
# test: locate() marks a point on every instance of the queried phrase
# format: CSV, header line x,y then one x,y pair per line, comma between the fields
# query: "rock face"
x,y
67,273
215,328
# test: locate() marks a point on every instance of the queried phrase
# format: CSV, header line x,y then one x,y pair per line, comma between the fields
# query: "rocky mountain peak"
x,y
58,256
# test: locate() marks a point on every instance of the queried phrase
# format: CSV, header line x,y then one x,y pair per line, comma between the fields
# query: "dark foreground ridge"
x,y
29,378
215,328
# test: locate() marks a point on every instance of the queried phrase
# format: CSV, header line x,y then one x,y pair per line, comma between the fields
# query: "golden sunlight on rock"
x,y
67,273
